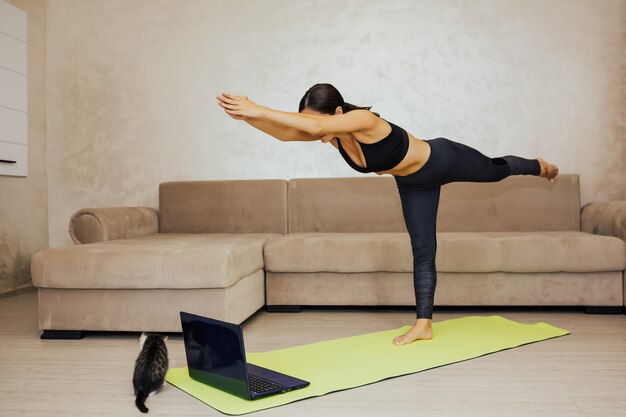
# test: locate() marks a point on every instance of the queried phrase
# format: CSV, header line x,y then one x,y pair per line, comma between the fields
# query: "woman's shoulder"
x,y
381,129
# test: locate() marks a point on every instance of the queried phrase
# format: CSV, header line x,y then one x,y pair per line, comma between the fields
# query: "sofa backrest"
x,y
344,204
372,204
223,206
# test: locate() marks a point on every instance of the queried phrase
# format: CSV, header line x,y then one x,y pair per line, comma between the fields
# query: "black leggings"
x,y
449,161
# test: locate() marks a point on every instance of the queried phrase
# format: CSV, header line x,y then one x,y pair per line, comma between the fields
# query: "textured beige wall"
x,y
131,87
24,200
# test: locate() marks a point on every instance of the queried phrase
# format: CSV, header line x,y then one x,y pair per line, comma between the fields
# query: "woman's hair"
x,y
325,98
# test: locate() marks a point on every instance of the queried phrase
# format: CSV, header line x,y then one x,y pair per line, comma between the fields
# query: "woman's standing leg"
x,y
419,207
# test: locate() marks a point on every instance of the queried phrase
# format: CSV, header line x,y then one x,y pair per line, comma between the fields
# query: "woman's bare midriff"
x,y
413,161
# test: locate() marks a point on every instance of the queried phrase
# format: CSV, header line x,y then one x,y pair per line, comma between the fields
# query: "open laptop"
x,y
216,356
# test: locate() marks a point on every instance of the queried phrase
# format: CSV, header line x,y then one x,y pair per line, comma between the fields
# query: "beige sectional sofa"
x,y
226,248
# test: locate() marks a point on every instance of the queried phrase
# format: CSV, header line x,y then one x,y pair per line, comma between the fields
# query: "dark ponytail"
x,y
349,107
325,98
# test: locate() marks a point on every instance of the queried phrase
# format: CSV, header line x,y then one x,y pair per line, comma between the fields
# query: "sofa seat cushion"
x,y
545,251
161,260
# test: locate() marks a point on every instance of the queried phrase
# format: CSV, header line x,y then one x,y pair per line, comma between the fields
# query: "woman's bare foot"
x,y
422,329
548,170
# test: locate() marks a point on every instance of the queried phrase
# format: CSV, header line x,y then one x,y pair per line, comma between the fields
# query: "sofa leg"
x,y
604,310
282,309
62,334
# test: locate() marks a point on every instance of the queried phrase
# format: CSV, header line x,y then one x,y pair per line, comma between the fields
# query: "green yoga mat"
x,y
339,364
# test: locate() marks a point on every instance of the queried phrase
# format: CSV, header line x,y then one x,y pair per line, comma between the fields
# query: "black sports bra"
x,y
382,155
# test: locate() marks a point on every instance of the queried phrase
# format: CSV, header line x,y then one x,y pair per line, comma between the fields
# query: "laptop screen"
x,y
215,353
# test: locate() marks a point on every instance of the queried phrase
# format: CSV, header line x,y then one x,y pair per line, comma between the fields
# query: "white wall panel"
x,y
13,91
13,126
13,54
13,88
12,21
13,159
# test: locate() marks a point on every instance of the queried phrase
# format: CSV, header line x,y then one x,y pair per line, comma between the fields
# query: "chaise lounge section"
x,y
135,268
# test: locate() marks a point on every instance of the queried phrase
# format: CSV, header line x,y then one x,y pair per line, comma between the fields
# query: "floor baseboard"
x,y
17,290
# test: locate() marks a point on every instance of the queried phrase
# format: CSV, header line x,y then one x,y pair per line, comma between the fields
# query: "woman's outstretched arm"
x,y
280,132
283,133
316,125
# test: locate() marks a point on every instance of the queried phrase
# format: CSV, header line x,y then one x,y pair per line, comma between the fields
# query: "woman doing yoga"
x,y
369,143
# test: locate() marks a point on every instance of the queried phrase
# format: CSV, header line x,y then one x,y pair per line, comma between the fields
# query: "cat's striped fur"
x,y
150,368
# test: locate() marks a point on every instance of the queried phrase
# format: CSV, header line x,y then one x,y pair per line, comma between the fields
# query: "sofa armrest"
x,y
605,218
89,225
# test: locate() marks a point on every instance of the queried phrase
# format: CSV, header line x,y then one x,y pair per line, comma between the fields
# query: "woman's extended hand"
x,y
234,116
238,107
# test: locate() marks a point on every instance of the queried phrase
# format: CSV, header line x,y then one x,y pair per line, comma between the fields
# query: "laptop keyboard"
x,y
259,385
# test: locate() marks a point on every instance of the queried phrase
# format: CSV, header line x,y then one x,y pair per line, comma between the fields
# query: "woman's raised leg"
x,y
464,163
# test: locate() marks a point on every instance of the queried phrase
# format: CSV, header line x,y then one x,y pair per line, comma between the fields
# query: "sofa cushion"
x,y
223,206
548,251
162,260
372,204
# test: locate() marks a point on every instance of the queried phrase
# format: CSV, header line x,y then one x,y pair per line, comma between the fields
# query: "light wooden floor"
x,y
581,374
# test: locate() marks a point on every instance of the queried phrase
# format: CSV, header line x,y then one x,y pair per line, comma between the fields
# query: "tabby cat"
x,y
150,368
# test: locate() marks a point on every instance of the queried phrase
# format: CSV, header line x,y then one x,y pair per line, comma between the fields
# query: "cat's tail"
x,y
140,401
